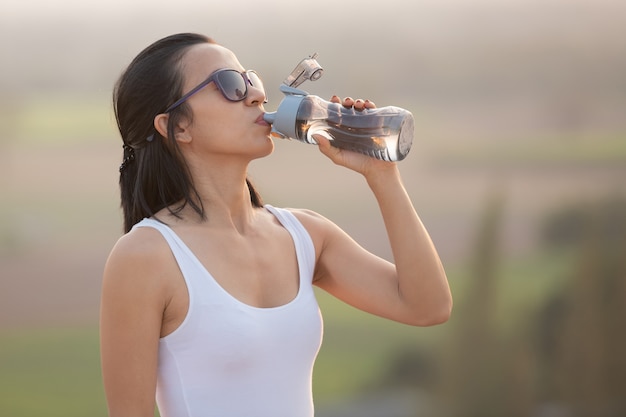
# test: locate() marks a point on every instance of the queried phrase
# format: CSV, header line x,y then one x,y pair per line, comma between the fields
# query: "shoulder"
x,y
308,217
318,226
139,258
141,243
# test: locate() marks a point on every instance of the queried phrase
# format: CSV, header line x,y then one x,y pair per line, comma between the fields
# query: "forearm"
x,y
421,279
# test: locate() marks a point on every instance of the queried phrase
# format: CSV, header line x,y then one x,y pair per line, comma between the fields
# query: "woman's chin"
x,y
268,149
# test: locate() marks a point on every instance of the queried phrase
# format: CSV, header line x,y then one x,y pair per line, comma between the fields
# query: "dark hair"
x,y
153,174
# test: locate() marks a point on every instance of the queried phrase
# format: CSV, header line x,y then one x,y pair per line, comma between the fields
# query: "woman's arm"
x,y
414,289
132,306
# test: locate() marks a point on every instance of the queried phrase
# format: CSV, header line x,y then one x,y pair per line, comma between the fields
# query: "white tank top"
x,y
230,359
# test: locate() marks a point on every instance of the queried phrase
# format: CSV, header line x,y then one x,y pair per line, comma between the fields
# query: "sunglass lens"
x,y
255,80
232,85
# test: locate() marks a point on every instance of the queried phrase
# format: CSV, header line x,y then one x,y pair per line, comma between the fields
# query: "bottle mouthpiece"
x,y
270,117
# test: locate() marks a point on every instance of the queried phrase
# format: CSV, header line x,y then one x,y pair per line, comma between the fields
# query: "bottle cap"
x,y
283,120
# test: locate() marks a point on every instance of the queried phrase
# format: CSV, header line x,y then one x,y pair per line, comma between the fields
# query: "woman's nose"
x,y
256,95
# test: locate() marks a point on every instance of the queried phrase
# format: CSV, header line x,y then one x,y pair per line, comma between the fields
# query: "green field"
x,y
50,372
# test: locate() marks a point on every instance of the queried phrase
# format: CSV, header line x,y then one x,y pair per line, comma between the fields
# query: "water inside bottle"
x,y
385,141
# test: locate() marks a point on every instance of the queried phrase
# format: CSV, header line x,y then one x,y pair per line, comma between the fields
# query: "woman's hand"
x,y
355,161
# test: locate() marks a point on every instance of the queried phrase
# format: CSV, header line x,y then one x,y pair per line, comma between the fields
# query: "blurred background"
x,y
518,170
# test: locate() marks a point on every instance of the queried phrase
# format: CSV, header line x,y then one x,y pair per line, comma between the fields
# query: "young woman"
x,y
207,300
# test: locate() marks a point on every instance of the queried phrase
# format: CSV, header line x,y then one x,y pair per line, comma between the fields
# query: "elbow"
x,y
433,316
441,317
445,311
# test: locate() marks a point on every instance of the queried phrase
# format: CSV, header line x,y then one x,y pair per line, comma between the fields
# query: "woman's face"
x,y
220,127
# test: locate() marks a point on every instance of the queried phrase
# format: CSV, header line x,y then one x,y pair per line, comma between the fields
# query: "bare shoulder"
x,y
310,219
142,254
319,227
142,243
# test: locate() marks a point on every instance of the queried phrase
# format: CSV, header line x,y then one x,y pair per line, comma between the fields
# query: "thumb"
x,y
331,152
324,144
321,140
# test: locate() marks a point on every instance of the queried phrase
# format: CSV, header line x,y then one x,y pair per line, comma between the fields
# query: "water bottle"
x,y
384,133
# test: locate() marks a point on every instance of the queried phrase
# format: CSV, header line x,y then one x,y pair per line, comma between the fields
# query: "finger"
x,y
326,148
369,104
359,104
317,138
348,102
335,99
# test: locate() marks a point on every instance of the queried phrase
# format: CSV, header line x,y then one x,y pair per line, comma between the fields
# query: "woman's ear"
x,y
181,132
160,124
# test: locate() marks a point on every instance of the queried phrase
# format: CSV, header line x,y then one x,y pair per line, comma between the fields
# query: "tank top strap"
x,y
186,260
301,238
168,234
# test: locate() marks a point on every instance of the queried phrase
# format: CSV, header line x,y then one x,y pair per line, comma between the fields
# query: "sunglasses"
x,y
232,84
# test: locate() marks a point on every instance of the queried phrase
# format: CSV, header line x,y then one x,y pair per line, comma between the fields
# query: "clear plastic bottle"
x,y
384,133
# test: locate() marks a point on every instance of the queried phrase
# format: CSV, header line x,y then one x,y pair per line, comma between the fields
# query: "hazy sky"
x,y
46,7
447,46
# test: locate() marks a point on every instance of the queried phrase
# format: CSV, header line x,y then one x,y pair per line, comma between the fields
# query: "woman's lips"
x,y
261,121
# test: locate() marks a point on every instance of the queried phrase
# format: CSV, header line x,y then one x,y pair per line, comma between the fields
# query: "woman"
x,y
207,300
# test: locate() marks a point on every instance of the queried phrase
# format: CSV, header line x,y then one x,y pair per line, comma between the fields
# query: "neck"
x,y
224,195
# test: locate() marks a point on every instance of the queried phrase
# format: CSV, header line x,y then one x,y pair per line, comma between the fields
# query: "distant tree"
x,y
485,376
582,331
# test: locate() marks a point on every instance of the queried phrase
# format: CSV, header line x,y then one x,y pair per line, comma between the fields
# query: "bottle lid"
x,y
283,120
